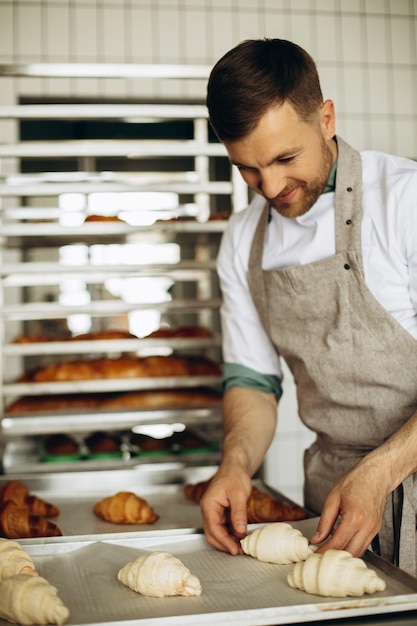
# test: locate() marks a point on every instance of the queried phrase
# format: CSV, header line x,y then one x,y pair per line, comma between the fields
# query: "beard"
x,y
308,192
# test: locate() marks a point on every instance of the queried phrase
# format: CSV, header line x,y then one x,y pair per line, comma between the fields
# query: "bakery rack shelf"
x,y
35,311
25,425
110,345
109,385
41,235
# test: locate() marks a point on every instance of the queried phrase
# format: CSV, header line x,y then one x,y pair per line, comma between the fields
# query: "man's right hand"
x,y
224,511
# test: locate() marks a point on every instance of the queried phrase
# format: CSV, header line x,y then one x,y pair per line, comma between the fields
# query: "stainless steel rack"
x,y
32,234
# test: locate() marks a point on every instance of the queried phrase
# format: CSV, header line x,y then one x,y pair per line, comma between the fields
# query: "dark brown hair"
x,y
254,76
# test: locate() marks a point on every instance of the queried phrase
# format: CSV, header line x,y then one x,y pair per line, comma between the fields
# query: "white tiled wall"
x,y
366,51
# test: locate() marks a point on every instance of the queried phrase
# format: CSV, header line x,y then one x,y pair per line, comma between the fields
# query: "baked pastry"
x,y
18,493
335,573
102,218
17,522
61,444
125,507
163,399
159,574
168,332
146,443
277,543
124,367
53,403
261,507
31,600
14,560
101,443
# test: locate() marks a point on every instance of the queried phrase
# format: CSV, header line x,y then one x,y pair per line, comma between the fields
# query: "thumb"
x,y
239,520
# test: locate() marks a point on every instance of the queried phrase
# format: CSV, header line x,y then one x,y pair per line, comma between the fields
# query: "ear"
x,y
328,119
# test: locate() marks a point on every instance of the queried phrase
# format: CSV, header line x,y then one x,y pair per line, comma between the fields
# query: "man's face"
x,y
287,160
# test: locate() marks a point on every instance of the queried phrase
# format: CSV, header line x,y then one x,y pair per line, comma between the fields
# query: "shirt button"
x,y
349,189
348,222
346,266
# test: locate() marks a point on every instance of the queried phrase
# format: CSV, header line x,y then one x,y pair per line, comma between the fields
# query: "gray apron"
x,y
354,365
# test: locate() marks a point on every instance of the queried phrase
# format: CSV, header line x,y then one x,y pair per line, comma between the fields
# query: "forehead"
x,y
280,130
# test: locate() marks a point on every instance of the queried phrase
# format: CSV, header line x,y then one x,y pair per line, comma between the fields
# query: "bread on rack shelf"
x,y
102,335
124,367
261,507
17,522
163,399
103,218
143,399
125,507
18,493
53,403
172,332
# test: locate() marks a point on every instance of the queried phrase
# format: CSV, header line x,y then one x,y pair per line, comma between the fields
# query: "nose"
x,y
271,183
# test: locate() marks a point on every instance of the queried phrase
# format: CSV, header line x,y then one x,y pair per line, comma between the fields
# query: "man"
x,y
320,270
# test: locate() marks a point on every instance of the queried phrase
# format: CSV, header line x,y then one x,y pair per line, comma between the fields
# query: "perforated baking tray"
x,y
237,589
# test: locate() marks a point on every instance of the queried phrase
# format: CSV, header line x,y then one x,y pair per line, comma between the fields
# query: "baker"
x,y
321,271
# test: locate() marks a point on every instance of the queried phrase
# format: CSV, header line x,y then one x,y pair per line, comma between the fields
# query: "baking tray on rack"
x,y
76,493
237,589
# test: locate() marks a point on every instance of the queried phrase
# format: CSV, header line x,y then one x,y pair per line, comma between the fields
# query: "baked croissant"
x,y
261,507
17,492
125,507
30,600
278,543
17,522
335,573
159,574
14,560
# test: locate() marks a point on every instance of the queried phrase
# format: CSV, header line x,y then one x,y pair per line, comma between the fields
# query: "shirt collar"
x,y
331,181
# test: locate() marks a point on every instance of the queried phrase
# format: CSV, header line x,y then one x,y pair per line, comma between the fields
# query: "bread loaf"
x,y
125,367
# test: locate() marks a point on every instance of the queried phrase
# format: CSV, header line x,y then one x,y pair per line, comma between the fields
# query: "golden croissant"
x,y
125,507
277,543
261,507
159,574
17,522
14,560
335,573
17,492
28,600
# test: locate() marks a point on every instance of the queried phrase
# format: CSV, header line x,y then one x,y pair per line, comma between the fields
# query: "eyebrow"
x,y
278,157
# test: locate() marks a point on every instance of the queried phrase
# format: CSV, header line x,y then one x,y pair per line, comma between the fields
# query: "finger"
x,y
239,521
216,526
326,523
219,537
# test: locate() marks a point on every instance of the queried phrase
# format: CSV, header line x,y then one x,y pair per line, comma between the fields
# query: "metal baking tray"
x,y
76,493
235,588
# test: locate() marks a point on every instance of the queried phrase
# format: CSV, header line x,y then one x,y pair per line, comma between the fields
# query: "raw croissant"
x,y
14,560
335,573
159,574
30,600
17,492
277,543
17,522
261,507
125,507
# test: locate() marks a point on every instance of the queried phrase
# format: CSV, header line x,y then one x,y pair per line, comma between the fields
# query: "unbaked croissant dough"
x,y
31,600
14,560
159,574
278,543
335,573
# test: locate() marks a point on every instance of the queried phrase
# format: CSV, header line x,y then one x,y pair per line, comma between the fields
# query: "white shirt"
x,y
389,255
